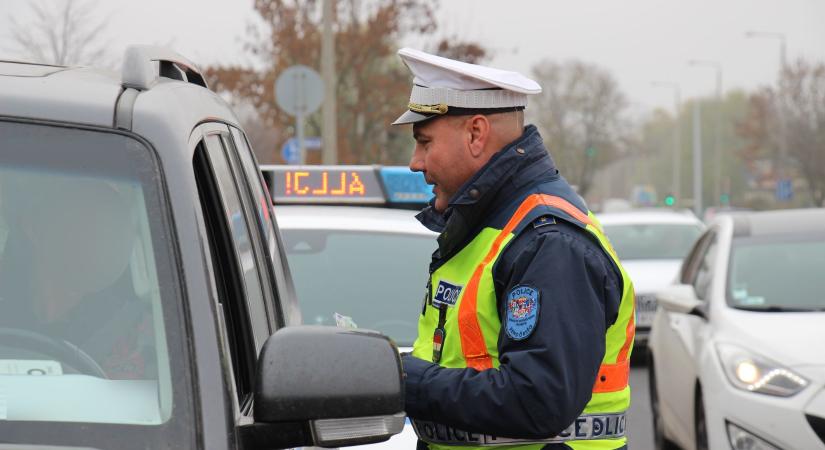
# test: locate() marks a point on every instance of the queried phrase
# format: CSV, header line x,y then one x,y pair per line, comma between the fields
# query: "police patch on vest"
x,y
446,293
522,312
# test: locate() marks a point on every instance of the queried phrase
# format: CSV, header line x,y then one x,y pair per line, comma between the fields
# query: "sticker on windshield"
x,y
33,367
343,321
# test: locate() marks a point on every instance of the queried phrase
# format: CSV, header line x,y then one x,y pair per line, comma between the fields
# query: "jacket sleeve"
x,y
545,379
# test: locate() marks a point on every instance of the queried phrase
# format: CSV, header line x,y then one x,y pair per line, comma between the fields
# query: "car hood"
x,y
786,337
649,276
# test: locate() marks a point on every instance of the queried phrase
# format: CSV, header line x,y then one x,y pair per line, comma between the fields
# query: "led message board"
x,y
324,184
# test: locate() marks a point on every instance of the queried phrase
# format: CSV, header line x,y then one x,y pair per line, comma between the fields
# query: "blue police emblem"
x,y
446,293
522,312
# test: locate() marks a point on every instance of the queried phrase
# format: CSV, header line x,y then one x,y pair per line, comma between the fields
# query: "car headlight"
x,y
754,373
741,439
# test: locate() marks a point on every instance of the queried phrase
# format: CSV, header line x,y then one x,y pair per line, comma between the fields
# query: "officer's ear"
x,y
478,130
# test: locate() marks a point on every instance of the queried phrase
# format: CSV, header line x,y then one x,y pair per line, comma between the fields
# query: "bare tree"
x,y
580,114
66,35
467,51
800,101
373,86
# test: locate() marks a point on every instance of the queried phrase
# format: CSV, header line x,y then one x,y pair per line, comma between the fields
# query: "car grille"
x,y
818,424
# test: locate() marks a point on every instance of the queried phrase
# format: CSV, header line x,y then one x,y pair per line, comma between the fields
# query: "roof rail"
x,y
139,71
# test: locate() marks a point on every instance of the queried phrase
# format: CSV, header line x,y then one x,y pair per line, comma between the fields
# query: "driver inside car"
x,y
65,275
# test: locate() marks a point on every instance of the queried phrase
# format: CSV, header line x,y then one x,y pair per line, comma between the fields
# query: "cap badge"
x,y
440,108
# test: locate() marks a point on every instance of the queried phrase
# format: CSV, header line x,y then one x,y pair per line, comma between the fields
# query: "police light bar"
x,y
405,186
368,185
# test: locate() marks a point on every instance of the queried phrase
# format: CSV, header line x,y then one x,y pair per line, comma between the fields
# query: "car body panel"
x,y
76,95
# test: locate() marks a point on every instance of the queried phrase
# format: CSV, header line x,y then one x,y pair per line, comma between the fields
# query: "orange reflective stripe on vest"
x,y
612,377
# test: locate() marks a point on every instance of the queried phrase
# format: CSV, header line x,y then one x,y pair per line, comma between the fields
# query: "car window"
x,y
691,263
262,204
652,240
89,304
705,269
778,272
233,263
377,279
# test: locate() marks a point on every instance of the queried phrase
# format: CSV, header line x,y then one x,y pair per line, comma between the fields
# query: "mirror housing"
x,y
681,298
336,386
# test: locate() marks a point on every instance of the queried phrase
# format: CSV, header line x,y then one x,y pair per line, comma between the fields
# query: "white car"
x,y
651,244
735,349
364,266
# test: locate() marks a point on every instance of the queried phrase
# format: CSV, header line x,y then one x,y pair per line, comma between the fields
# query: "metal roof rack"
x,y
141,72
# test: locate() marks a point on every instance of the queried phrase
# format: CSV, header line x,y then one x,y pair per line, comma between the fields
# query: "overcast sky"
x,y
638,40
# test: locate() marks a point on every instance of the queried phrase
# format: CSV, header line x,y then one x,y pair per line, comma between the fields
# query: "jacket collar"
x,y
507,172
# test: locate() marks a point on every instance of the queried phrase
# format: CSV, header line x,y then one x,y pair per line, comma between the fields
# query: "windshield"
x,y
778,274
652,241
84,283
377,279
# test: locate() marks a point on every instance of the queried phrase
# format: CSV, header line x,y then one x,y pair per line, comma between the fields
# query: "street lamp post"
x,y
717,127
677,136
697,158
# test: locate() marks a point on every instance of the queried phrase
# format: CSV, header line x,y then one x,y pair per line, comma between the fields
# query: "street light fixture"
x,y
677,136
772,35
717,147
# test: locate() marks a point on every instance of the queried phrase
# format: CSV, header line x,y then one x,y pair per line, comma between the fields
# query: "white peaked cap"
x,y
446,86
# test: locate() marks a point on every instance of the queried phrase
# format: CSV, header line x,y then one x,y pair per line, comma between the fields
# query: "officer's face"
x,y
442,154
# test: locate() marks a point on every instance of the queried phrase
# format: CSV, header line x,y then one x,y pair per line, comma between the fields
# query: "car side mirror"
x,y
681,298
328,387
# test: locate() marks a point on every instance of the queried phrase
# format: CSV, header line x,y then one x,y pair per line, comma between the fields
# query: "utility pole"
x,y
676,177
697,158
329,132
717,127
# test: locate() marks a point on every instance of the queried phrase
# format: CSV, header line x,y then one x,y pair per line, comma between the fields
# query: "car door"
x,y
678,333
241,274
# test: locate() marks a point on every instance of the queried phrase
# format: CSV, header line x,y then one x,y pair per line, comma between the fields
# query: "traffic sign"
x,y
784,189
299,90
291,152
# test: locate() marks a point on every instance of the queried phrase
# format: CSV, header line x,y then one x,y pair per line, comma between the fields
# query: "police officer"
x,y
527,326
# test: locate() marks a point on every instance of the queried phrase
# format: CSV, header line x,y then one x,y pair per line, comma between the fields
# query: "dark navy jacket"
x,y
544,381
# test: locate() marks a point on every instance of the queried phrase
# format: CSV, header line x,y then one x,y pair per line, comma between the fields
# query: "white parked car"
x,y
735,349
355,257
651,244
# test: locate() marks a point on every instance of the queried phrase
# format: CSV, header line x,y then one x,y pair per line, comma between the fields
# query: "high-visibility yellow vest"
x,y
475,319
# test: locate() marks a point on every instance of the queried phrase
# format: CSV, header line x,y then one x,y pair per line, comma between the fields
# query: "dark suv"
x,y
145,300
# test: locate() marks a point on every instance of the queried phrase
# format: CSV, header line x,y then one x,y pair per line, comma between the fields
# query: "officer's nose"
x,y
417,160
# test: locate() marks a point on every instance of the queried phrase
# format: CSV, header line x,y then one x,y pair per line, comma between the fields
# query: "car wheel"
x,y
659,439
701,424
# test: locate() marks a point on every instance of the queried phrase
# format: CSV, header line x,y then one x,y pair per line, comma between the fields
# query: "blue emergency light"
x,y
368,185
405,186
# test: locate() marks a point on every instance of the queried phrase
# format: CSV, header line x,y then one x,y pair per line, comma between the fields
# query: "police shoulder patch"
x,y
522,312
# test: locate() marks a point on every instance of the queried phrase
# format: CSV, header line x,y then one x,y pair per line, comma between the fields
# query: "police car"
x,y
358,255
736,358
651,244
145,296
